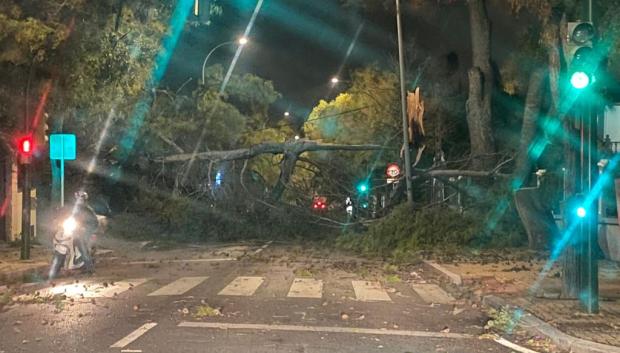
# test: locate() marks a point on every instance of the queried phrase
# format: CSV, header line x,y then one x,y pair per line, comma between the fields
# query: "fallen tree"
x,y
291,150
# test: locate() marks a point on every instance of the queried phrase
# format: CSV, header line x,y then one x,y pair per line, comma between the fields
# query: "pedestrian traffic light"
x,y
25,148
582,59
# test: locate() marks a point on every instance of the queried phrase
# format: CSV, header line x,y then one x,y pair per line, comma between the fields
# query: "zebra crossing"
x,y
243,286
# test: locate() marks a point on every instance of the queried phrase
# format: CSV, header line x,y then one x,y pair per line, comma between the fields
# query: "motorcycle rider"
x,y
86,217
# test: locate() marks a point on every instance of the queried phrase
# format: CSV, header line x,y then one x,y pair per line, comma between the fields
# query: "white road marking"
x,y
306,288
101,289
179,286
321,329
134,335
243,286
150,262
370,291
263,247
513,346
131,351
432,293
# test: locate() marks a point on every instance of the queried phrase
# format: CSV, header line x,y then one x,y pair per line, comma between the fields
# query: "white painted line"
x,y
432,293
306,288
323,329
150,262
242,286
179,286
131,351
514,347
454,278
263,247
370,291
103,289
134,335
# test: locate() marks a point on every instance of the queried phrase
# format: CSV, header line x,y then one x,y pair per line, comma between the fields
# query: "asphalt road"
x,y
239,299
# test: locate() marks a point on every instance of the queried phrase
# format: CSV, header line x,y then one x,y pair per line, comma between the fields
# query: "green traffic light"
x,y
581,212
362,187
579,80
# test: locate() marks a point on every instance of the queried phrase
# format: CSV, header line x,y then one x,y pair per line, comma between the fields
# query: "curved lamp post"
x,y
241,41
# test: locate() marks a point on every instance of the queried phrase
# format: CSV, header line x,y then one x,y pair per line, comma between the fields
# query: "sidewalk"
x,y
12,269
507,283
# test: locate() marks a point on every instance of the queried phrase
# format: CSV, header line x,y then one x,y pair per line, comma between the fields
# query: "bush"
x,y
403,233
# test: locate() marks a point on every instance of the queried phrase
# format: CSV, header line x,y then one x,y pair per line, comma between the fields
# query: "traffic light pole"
x,y
26,198
588,261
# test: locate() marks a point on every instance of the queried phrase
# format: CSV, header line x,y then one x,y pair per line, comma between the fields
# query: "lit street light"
x,y
335,80
287,113
241,42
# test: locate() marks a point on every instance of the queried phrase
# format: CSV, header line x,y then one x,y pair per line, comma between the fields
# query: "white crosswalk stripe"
x,y
242,286
95,289
178,287
370,291
306,288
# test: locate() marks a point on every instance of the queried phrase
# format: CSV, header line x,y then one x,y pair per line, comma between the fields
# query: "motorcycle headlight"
x,y
69,225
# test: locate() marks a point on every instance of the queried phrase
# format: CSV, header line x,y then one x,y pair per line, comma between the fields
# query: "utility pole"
x,y
403,106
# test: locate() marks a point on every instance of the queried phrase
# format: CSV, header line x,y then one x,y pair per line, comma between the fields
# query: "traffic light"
x,y
25,148
363,187
202,10
582,59
41,132
581,212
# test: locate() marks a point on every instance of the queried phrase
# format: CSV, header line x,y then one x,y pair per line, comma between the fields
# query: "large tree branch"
x,y
294,147
169,142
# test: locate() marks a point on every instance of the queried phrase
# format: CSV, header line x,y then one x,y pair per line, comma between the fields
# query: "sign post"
x,y
63,147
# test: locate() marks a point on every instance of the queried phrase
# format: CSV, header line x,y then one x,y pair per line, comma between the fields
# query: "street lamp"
x,y
335,80
241,42
287,113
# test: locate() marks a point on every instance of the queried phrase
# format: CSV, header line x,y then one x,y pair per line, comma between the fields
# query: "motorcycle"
x,y
73,245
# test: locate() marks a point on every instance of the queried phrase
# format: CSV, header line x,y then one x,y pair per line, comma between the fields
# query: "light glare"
x,y
581,212
579,80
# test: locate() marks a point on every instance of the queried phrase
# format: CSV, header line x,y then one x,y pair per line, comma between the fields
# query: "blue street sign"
x,y
63,146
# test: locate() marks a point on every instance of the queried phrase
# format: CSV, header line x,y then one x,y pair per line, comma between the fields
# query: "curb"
x,y
21,275
536,326
453,277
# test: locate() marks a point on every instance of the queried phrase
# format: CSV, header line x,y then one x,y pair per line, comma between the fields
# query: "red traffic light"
x,y
25,146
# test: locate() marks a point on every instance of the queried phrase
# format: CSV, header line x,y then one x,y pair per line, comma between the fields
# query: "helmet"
x,y
81,195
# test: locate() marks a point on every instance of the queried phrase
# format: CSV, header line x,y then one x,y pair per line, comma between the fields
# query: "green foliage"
x,y
502,321
182,219
403,233
366,113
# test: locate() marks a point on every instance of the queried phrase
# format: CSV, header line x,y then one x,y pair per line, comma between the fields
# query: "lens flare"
x,y
581,212
69,225
580,80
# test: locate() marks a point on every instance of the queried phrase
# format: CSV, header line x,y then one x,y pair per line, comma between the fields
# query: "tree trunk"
x,y
480,87
287,166
524,162
537,217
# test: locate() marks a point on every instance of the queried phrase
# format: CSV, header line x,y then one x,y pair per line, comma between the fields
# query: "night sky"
x,y
301,44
